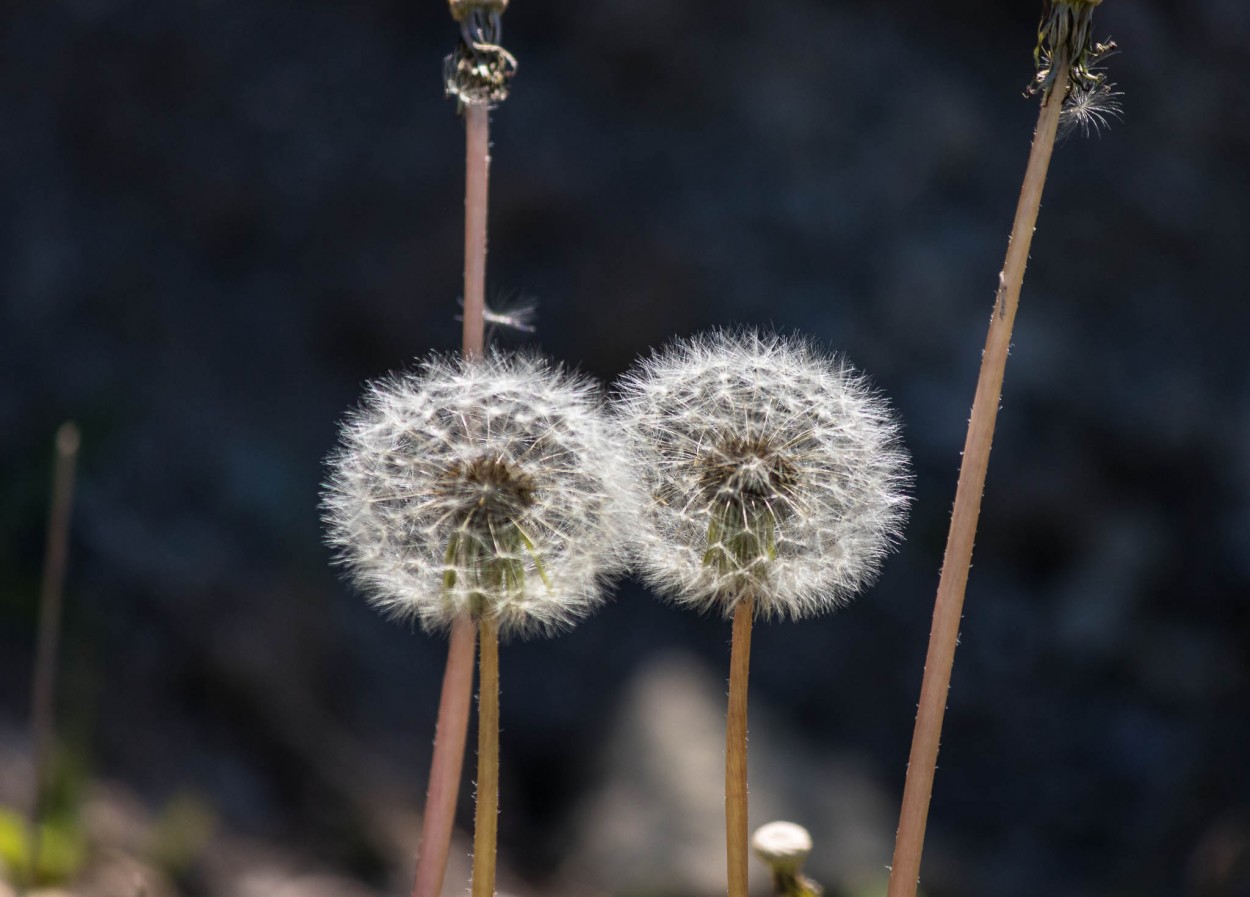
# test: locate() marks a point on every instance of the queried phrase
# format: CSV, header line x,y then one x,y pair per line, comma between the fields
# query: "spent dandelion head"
x,y
1065,38
479,71
772,472
481,487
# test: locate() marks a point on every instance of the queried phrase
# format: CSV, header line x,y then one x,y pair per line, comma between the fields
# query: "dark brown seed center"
x,y
490,488
746,471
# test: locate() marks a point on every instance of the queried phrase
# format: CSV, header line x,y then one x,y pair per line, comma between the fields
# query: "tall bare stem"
x,y
445,766
43,690
453,708
736,750
486,820
948,608
476,181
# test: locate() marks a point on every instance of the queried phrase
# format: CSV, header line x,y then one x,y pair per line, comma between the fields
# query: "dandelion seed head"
x,y
489,487
770,470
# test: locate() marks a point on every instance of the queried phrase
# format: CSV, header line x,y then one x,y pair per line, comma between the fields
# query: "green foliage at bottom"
x,y
62,849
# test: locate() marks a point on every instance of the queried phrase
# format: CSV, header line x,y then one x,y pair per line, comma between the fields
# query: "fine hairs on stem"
x,y
1065,55
43,689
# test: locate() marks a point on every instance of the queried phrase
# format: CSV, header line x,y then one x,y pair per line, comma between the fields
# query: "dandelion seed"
x,y
489,488
518,315
774,473
1089,109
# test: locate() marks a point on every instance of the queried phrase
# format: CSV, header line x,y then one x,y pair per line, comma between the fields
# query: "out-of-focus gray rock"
x,y
654,823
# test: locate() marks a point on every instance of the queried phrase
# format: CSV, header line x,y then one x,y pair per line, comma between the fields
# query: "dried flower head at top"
x,y
772,472
1065,39
489,487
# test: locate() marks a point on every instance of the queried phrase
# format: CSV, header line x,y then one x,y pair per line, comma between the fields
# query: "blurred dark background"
x,y
218,219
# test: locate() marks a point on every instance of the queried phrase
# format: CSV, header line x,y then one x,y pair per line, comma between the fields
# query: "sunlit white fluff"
x,y
770,471
1090,109
493,487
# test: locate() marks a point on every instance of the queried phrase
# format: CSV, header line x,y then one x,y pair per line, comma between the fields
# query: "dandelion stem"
x,y
486,820
736,749
476,179
905,869
445,766
43,691
453,708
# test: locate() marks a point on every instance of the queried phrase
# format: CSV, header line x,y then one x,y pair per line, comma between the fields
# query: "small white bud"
x,y
784,846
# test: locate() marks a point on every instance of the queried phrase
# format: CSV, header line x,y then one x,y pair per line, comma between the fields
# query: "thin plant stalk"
x,y
453,709
948,607
43,690
447,762
476,182
486,819
736,749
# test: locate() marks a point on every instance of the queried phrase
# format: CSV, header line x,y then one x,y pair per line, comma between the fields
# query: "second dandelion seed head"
x,y
772,472
483,488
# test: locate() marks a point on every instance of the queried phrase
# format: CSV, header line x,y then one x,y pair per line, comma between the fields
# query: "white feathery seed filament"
x,y
770,470
479,487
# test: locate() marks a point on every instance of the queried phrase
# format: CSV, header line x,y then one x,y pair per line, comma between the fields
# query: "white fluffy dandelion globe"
x,y
769,471
489,487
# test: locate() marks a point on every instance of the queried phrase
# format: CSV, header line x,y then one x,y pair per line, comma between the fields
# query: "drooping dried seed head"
x,y
1065,39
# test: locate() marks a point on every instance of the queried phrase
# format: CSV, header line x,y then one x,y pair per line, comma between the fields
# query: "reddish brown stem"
x,y
948,607
43,690
448,759
736,750
476,181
